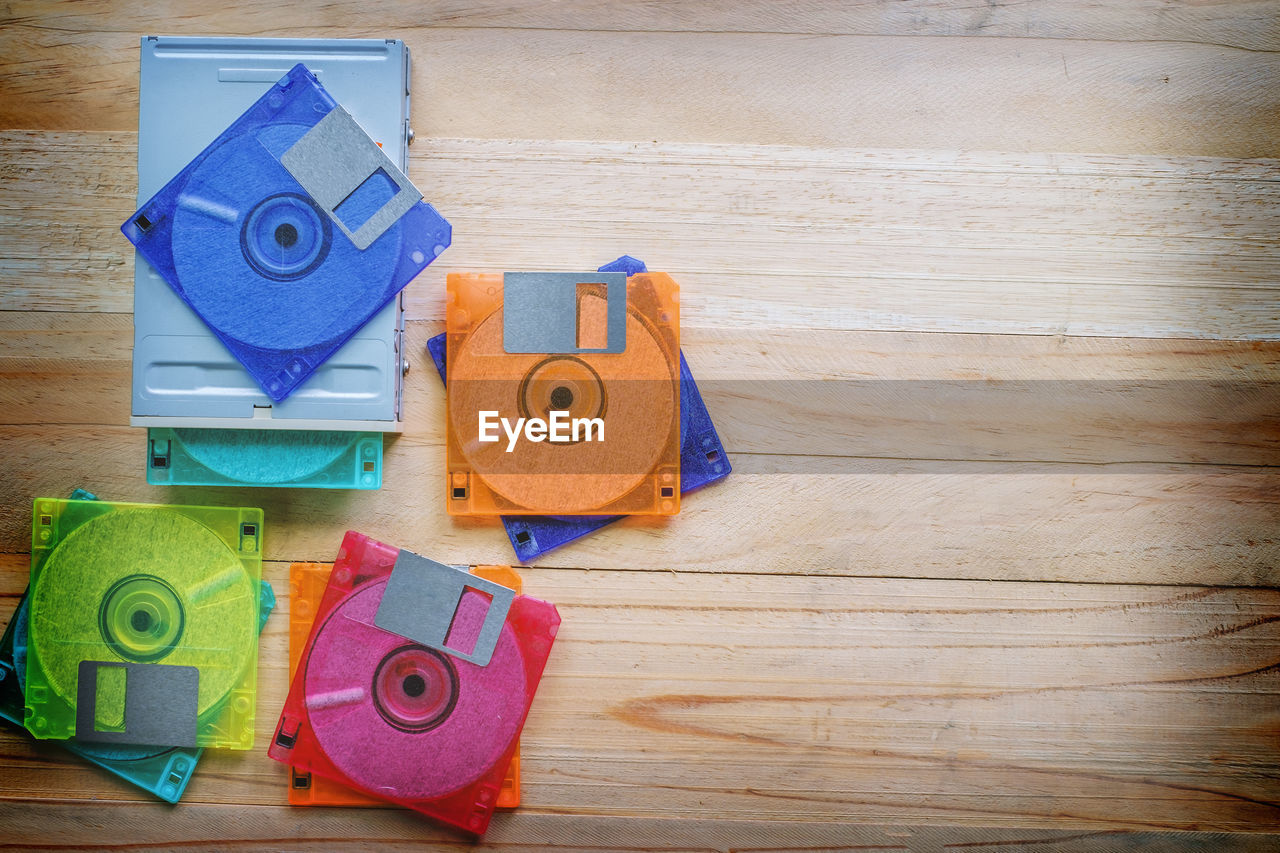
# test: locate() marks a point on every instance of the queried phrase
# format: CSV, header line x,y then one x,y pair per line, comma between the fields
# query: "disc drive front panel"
x,y
191,89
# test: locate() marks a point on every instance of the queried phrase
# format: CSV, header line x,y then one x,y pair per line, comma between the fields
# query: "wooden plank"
x,y
199,827
866,395
1162,92
971,461
1145,523
765,236
1244,23
833,700
732,354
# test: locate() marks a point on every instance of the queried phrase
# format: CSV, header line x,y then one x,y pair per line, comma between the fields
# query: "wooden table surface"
x,y
984,302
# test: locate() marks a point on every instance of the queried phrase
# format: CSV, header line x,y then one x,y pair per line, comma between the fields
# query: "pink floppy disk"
x,y
415,682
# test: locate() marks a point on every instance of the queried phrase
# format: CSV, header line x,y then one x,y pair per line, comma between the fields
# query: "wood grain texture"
x,y
278,828
965,456
1179,78
982,299
764,236
1234,23
815,698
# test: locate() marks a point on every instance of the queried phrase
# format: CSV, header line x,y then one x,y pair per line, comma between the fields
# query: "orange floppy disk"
x,y
563,394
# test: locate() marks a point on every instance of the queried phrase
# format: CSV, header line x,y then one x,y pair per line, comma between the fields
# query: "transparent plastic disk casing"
x,y
597,473
287,456
144,586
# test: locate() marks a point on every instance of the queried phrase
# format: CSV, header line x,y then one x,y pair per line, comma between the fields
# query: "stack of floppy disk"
x,y
275,233
411,683
268,321
570,404
136,643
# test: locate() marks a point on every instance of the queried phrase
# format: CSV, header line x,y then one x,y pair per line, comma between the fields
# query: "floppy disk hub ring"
x,y
563,383
415,688
286,236
141,618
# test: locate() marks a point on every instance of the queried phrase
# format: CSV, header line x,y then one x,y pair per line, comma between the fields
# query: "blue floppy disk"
x,y
288,232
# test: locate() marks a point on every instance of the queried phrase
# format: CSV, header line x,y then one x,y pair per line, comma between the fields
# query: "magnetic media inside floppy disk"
x,y
307,582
